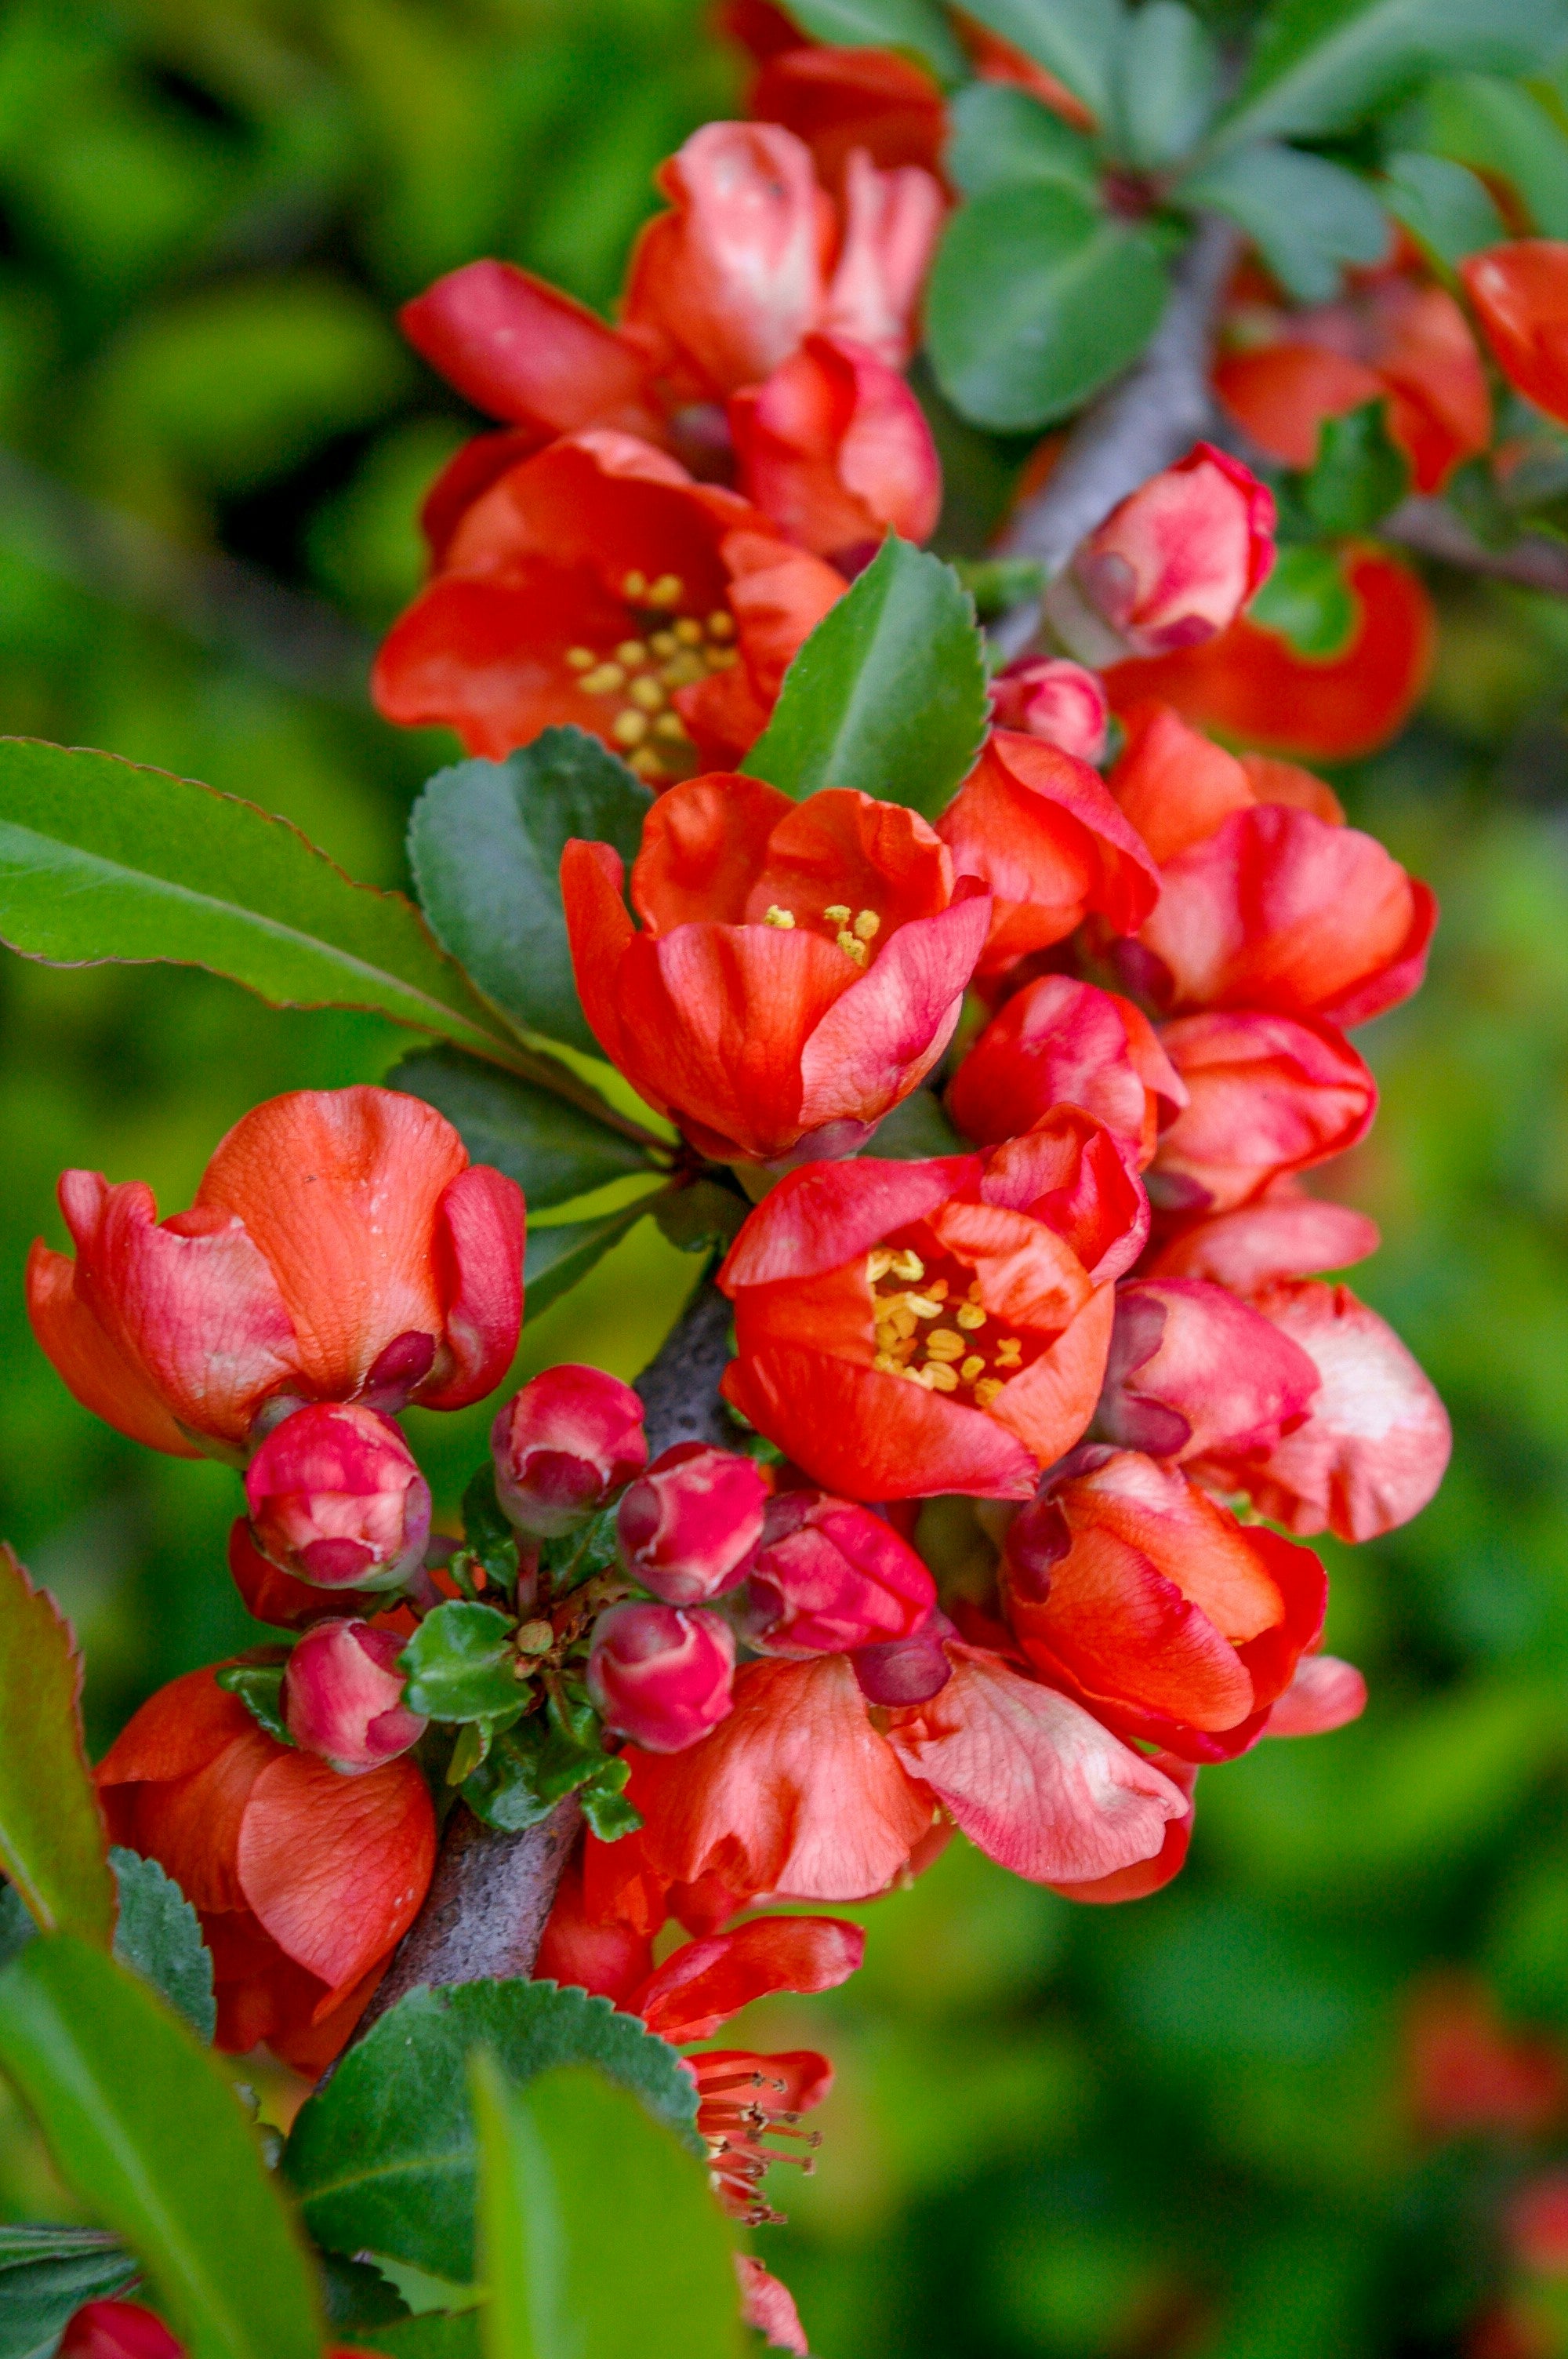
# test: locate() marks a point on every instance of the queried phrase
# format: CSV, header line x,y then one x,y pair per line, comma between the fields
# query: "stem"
x,y
1430,528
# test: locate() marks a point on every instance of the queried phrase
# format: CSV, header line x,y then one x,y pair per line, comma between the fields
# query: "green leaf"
x,y
608,1812
556,1257
382,2156
1076,40
53,1846
1000,135
1321,65
1166,83
356,2295
159,1936
487,1536
697,1218
1307,216
1036,301
16,1928
662,2285
917,25
1445,208
1508,132
433,2337
554,1151
1358,475
101,859
995,583
534,1765
916,1128
259,1687
1306,600
46,2273
143,2125
889,693
485,843
460,1663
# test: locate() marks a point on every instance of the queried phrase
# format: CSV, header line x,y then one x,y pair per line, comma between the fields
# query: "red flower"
x,y
1252,683
768,2307
1290,1234
1267,1095
1323,1694
341,1246
841,100
1520,294
305,1881
1195,1372
1057,1042
123,2329
1469,2071
688,1527
519,349
337,1498
1172,1620
1043,832
342,1696
835,447
904,1328
1177,786
800,969
1052,698
1175,563
830,1577
563,1446
660,1675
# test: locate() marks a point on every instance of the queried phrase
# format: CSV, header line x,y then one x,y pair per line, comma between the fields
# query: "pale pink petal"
x,y
1326,1693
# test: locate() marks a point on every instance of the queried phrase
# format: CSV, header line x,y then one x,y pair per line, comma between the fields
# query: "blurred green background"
x,y
1177,2128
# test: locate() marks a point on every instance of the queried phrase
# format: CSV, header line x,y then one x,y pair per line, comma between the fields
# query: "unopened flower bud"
x,y
830,1577
342,1696
569,1442
117,2329
905,1670
336,1497
660,1677
1055,698
688,1526
1175,563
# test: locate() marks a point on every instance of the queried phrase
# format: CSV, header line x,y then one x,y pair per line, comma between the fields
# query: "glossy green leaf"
x,y
53,1846
1308,217
1359,472
662,2284
1506,132
1306,600
530,1767
435,2336
889,693
159,1936
918,25
259,1687
101,859
557,1258
143,2125
697,1218
916,1128
460,1663
1076,40
1320,65
485,843
1002,136
1444,207
1167,81
554,1151
1037,299
487,1538
46,2273
384,2156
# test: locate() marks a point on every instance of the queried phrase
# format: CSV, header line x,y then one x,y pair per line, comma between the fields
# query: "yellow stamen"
x,y
688,631
647,693
851,948
973,1366
886,1365
629,728
907,1265
634,586
773,916
938,1292
667,591
836,913
720,658
971,1315
925,1306
630,651
648,765
682,671
581,658
943,1345
605,680
1009,1352
879,1261
671,725
902,1322
940,1378
721,626
664,643
868,924
986,1391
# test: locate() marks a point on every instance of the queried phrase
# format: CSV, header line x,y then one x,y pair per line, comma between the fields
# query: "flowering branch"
x,y
1430,528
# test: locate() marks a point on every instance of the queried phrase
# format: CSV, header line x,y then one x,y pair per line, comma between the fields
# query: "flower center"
x,y
932,1327
638,676
854,930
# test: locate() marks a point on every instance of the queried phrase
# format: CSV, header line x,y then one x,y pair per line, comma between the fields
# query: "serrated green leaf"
x,y
459,1663
662,2284
1000,135
556,1258
485,843
554,1149
1167,81
917,25
356,2295
1307,217
159,1936
889,693
433,2337
101,859
1037,299
608,1811
1358,475
1506,132
1444,207
1321,65
259,1687
46,2273
487,1535
1306,600
142,2123
534,1765
1076,40
916,1128
53,1845
383,2157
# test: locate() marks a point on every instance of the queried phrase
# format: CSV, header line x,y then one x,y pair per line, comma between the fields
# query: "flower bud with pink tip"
x,y
342,1696
830,1577
1174,564
690,1526
569,1443
660,1676
336,1499
1052,697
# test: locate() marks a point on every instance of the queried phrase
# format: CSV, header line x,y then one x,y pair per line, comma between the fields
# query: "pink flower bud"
x,y
1175,563
335,1498
689,1525
117,2329
1052,697
660,1677
830,1577
342,1696
566,1445
906,1671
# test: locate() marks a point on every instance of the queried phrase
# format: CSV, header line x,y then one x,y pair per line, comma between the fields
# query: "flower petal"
x,y
336,1868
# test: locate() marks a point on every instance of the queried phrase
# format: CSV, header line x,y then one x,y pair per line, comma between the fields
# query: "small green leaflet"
x,y
1306,600
159,1936
554,1151
259,1687
53,1846
889,693
46,2273
459,1664
1444,207
1307,216
1358,475
383,2157
1002,136
530,1767
1506,132
1076,40
1167,85
917,25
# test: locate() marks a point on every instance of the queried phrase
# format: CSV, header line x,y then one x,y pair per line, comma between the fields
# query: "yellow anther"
x,y
667,591
682,670
986,1391
671,725
902,1322
629,728
886,1336
971,1315
851,948
605,680
836,913
720,658
940,1378
868,924
634,586
648,765
664,643
630,651
647,693
688,631
973,1366
886,1365
925,1306
975,1290
908,1265
581,658
721,626
944,1343
773,916
1009,1352
937,1290
879,1261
